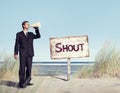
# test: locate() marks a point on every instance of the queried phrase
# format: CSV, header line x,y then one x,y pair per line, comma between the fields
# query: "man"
x,y
24,46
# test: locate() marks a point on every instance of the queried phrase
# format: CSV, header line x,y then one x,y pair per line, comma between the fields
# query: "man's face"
x,y
26,25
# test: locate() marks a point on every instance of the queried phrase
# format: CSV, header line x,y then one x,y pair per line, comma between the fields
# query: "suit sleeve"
x,y
16,47
37,35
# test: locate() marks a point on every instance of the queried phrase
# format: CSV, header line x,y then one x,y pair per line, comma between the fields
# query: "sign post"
x,y
69,69
69,47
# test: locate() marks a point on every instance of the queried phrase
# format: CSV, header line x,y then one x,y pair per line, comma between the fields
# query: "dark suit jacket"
x,y
24,45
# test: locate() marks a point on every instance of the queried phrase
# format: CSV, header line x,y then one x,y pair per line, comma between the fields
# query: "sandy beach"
x,y
58,84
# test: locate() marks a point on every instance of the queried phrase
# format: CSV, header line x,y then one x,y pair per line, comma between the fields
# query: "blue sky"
x,y
99,19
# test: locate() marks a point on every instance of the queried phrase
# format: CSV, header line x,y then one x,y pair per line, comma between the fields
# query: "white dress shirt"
x,y
25,32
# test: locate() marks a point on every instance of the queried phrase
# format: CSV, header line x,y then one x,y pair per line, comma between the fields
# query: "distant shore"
x,y
60,63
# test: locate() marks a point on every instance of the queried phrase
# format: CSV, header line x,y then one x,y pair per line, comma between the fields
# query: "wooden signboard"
x,y
69,47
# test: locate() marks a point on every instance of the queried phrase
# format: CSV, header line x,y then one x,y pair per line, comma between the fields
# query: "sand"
x,y
58,84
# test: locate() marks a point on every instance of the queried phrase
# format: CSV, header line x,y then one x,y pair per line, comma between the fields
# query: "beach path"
x,y
58,84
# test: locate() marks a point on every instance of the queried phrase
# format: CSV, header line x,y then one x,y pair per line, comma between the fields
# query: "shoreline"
x,y
59,63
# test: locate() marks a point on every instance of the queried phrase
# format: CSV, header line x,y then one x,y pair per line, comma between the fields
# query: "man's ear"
x,y
23,26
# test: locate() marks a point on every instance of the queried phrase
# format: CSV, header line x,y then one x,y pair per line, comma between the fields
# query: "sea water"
x,y
58,68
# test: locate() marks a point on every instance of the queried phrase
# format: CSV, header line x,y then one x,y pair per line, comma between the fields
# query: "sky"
x,y
99,19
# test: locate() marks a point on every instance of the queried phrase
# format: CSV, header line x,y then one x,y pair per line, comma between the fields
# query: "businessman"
x,y
24,48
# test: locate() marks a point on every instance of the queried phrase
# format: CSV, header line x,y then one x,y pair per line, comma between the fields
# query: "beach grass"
x,y
107,64
10,67
84,72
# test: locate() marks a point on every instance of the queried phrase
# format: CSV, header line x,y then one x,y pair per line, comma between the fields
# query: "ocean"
x,y
57,68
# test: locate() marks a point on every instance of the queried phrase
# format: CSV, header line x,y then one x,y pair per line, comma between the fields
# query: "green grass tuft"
x,y
10,67
107,64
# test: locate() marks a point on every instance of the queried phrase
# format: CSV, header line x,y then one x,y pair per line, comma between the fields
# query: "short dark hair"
x,y
23,23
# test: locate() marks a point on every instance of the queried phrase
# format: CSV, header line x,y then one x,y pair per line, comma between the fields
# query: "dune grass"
x,y
107,64
10,67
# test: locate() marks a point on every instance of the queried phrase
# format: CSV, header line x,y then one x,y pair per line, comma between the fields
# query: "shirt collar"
x,y
25,32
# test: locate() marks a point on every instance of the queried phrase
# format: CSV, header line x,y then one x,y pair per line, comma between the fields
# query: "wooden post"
x,y
69,70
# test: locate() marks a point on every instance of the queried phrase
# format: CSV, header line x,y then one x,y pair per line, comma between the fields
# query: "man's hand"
x,y
36,28
16,56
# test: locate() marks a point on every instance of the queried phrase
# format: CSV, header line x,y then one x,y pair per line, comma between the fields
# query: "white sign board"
x,y
69,47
